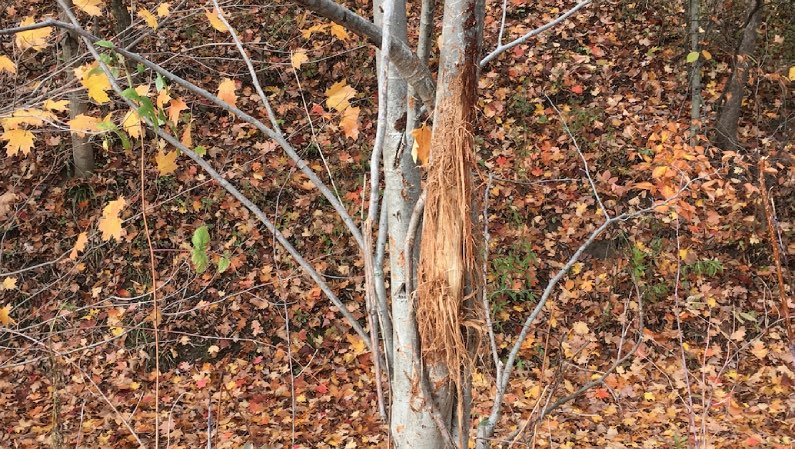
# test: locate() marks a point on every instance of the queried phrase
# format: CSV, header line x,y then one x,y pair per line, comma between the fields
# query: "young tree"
x,y
423,332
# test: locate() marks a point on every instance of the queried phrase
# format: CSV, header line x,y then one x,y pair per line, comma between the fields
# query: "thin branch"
x,y
582,157
484,294
502,48
223,182
406,62
486,429
601,379
300,163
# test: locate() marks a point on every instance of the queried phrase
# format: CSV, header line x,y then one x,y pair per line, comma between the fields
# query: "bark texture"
x,y
447,250
82,152
729,115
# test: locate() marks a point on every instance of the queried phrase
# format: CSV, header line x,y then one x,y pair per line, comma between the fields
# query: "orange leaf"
x,y
83,124
421,149
7,65
350,122
80,245
175,108
226,91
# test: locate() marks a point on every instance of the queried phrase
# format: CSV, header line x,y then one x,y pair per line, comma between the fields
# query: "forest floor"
x,y
695,285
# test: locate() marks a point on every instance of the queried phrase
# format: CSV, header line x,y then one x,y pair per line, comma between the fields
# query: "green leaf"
x,y
200,260
160,83
200,150
223,263
692,57
140,68
201,238
110,126
104,44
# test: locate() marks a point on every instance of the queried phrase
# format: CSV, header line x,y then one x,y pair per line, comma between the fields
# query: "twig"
x,y
582,157
300,163
502,48
776,257
484,294
223,182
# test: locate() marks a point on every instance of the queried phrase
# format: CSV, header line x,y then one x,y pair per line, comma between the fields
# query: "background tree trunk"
x,y
122,21
82,152
694,10
729,115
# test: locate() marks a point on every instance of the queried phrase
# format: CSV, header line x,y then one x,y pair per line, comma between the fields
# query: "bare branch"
x,y
410,67
486,430
582,158
502,48
300,163
223,182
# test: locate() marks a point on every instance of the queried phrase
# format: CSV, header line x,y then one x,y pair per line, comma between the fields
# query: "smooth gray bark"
x,y
405,61
411,425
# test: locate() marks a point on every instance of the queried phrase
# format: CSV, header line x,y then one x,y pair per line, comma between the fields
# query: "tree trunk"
x,y
82,152
122,21
729,115
694,10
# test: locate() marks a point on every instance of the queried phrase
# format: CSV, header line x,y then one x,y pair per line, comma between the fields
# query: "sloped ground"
x,y
713,363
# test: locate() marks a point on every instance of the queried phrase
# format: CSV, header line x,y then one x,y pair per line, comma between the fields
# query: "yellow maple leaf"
x,y
27,116
338,96
148,17
18,140
59,105
83,124
166,162
214,20
350,122
95,82
307,33
5,315
791,74
357,344
110,223
298,58
339,32
34,39
90,7
9,283
163,9
80,245
132,124
7,65
421,149
226,91
176,106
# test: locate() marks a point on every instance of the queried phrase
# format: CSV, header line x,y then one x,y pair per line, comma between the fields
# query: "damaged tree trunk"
x,y
729,115
447,267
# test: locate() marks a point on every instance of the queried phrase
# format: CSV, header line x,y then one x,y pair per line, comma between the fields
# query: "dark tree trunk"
x,y
729,114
